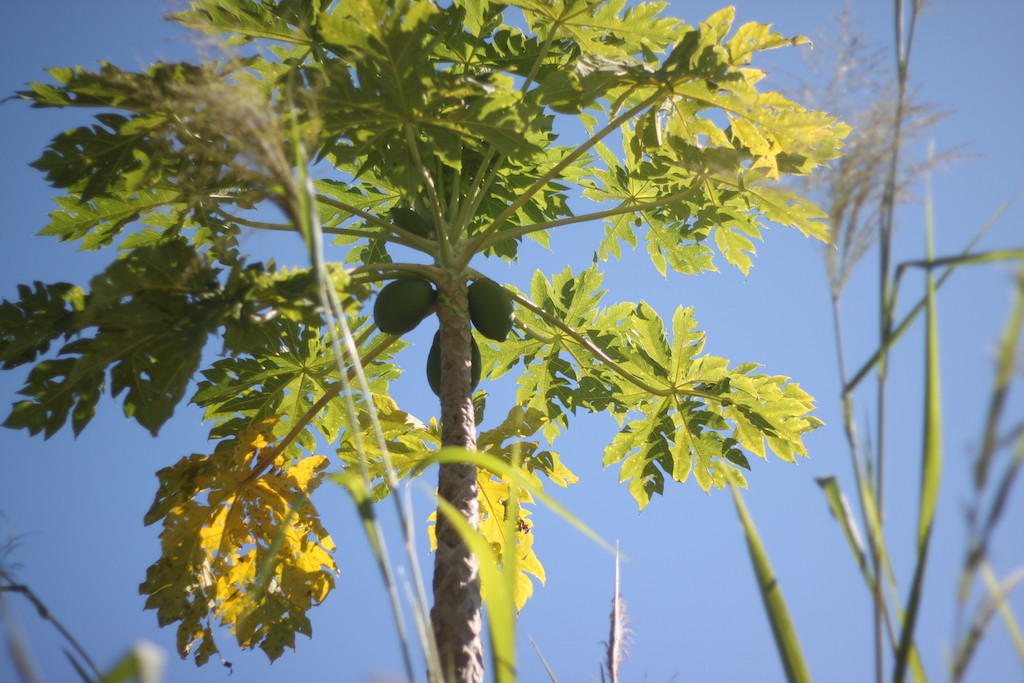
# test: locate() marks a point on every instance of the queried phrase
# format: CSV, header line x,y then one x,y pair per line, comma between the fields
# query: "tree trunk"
x,y
455,616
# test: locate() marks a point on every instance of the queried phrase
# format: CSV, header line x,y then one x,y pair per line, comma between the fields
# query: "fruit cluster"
x,y
403,304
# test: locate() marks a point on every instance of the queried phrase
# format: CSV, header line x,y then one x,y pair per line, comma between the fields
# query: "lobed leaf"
x,y
224,523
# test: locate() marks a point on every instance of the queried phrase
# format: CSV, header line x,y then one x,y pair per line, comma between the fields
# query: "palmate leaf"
x,y
391,81
149,315
141,327
99,221
148,164
548,378
239,545
676,231
701,412
41,315
682,412
289,370
507,441
409,442
96,158
706,179
609,29
243,21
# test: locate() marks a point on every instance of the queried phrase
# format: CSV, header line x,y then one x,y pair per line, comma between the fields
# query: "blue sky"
x,y
76,506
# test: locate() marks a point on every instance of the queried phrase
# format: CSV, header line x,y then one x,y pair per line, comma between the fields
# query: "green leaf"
x,y
30,325
609,29
519,423
244,21
696,412
786,640
99,221
151,312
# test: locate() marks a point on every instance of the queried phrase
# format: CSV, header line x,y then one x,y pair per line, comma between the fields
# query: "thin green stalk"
x,y
870,364
982,522
411,240
931,462
996,603
288,227
547,667
303,209
443,243
999,596
377,271
597,215
999,501
44,613
886,301
872,559
841,511
1006,364
786,640
488,169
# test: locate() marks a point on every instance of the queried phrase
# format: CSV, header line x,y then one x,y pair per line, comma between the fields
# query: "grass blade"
x,y
931,461
996,602
840,509
910,317
999,595
547,667
512,475
775,605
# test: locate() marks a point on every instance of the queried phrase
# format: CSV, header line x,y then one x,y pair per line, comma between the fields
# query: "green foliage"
x,y
451,115
683,412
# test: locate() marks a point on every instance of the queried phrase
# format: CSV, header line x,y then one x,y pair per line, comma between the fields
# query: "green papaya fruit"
x,y
402,304
434,365
490,309
407,219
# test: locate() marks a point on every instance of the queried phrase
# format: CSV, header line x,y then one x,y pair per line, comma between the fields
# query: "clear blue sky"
x,y
76,506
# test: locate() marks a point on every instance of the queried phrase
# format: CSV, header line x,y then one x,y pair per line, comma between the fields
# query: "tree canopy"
x,y
404,139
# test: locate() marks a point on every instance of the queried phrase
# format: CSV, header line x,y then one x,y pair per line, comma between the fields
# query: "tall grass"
x,y
861,195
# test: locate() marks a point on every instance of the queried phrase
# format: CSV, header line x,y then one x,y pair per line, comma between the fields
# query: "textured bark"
x,y
455,617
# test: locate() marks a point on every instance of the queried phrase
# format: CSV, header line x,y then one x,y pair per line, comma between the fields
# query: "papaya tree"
x,y
407,142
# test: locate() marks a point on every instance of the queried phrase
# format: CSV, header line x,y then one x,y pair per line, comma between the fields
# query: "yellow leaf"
x,y
493,498
253,555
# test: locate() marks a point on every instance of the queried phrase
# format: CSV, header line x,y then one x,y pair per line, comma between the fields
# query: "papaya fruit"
x,y
434,365
402,304
490,309
407,219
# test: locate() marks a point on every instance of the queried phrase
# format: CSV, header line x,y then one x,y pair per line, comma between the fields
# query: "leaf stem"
x,y
603,357
474,245
45,614
596,215
268,457
409,239
287,227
